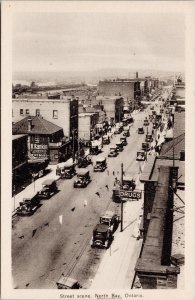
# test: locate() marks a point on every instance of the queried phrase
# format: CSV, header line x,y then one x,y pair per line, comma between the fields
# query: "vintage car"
x,y
151,107
111,219
84,161
141,155
67,283
161,110
119,146
49,188
83,178
149,138
28,206
126,133
146,122
106,139
117,130
145,146
154,112
124,141
102,236
100,164
96,147
128,183
68,170
113,152
140,130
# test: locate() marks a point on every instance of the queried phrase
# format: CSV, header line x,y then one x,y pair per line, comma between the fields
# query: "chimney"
x,y
136,74
29,124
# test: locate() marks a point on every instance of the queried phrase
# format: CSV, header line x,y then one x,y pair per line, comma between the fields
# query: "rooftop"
x,y
39,126
18,136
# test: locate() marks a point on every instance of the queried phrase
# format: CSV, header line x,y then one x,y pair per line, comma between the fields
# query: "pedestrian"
x,y
85,203
107,187
113,173
108,172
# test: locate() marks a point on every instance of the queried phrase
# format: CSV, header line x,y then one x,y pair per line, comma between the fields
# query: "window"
x,y
37,112
55,114
27,111
21,112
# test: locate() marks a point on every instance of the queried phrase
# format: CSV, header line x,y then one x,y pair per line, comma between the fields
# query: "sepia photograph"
x,y
96,142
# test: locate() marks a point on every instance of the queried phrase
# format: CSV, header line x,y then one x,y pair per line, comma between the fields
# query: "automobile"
x,y
117,130
106,139
151,107
128,183
96,147
141,155
124,141
154,112
161,110
140,130
49,188
84,161
68,283
149,138
111,219
83,178
28,206
126,133
113,152
145,146
119,146
100,164
146,122
68,170
102,236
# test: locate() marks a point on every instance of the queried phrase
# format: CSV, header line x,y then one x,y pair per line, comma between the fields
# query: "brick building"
x,y
45,140
62,112
112,106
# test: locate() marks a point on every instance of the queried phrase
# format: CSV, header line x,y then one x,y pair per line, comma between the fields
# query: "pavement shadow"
x,y
129,224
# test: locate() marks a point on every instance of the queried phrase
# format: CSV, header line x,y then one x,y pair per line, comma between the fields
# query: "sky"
x,y
95,41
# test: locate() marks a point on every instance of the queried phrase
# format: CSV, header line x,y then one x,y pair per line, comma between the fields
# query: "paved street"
x,y
44,247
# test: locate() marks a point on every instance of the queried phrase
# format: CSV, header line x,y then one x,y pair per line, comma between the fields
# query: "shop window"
x,y
21,112
55,114
37,112
27,111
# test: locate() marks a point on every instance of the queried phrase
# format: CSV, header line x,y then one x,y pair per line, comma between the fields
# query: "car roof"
x,y
68,164
108,214
101,227
68,281
140,128
141,151
82,171
48,181
127,178
100,159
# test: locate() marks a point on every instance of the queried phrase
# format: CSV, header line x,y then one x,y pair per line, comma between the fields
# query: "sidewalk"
x,y
117,266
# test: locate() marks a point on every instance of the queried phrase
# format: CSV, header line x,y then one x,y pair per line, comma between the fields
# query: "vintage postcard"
x,y
98,150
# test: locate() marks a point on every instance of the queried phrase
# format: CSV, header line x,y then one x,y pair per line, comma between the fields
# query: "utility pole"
x,y
121,187
73,146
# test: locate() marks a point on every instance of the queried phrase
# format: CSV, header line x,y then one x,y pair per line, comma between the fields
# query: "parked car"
x,y
49,188
84,161
83,178
68,171
102,236
126,133
67,283
106,139
149,138
128,183
146,122
140,130
100,164
145,146
111,219
141,155
113,152
28,206
124,141
119,146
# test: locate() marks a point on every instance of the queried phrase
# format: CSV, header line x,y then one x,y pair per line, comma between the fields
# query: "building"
x,y
87,125
45,140
62,112
178,95
127,88
112,106
19,160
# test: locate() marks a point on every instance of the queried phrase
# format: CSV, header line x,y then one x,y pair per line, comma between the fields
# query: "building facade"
x,y
87,126
62,112
112,106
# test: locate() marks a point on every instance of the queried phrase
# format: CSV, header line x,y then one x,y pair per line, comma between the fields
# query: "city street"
x,y
56,239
